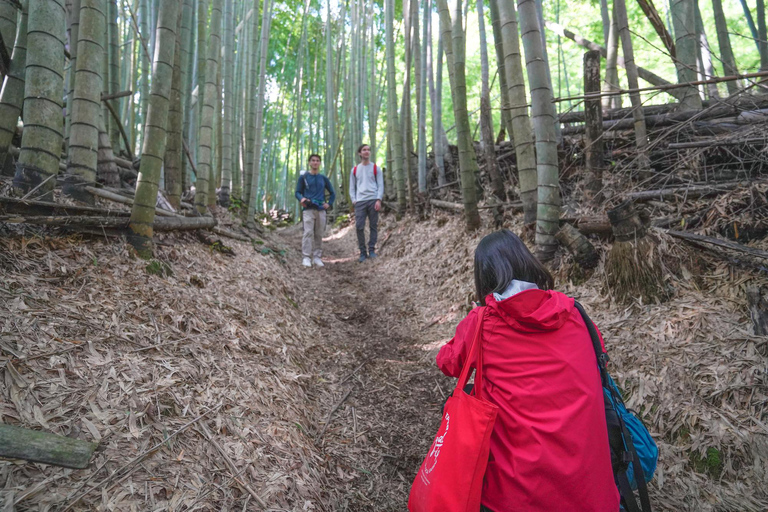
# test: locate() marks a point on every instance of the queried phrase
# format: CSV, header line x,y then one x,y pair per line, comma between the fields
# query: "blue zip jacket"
x,y
312,187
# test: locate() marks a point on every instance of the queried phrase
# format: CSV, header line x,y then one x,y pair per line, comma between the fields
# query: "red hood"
x,y
533,310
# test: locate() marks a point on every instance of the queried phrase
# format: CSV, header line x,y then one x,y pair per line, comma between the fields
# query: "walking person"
x,y
366,190
310,191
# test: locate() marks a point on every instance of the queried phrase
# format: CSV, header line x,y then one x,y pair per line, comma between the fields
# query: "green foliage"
x,y
159,268
341,220
711,463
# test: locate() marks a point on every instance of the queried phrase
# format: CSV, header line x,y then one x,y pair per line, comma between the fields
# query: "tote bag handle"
x,y
476,348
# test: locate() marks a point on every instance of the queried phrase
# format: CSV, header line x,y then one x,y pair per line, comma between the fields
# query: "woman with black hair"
x,y
549,447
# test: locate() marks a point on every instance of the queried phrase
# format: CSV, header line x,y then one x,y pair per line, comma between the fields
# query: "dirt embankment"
x,y
251,383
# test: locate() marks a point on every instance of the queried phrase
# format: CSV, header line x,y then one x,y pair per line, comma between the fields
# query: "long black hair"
x,y
501,257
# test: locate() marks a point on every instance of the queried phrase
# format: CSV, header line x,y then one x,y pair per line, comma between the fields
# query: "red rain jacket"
x,y
549,447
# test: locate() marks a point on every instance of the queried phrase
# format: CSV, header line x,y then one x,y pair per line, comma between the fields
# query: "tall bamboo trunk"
x,y
392,121
144,57
683,17
205,169
422,151
506,117
330,110
453,39
12,95
74,34
439,137
8,16
611,83
641,136
114,71
762,35
250,111
173,145
228,97
522,133
140,229
187,41
263,49
43,135
724,41
486,119
544,119
82,157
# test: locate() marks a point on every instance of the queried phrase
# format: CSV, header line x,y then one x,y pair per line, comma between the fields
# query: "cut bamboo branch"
x,y
12,206
76,221
692,191
105,194
706,241
34,446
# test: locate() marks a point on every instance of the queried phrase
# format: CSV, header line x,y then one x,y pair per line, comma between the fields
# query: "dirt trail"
x,y
393,389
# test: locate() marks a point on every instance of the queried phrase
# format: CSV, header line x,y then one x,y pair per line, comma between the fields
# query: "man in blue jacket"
x,y
310,191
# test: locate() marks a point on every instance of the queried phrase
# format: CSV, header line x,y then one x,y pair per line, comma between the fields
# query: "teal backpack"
x,y
634,454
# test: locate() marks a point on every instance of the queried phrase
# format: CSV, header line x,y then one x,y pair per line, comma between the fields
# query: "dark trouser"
x,y
363,210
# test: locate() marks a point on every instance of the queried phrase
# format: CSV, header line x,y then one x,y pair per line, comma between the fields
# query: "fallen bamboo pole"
x,y
665,87
88,221
691,191
34,446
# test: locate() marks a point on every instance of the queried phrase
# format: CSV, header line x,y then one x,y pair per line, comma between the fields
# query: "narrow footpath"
x,y
388,389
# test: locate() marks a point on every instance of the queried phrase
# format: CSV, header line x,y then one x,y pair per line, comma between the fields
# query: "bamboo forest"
x,y
245,244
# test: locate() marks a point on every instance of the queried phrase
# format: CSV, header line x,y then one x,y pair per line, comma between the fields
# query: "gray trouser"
x,y
314,227
363,210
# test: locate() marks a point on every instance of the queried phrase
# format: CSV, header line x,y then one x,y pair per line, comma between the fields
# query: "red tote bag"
x,y
451,477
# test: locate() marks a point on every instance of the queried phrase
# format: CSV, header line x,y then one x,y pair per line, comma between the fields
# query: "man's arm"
x,y
300,188
352,187
380,185
329,186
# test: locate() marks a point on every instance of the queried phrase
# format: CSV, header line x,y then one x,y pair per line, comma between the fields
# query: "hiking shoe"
x,y
372,254
306,262
318,262
362,258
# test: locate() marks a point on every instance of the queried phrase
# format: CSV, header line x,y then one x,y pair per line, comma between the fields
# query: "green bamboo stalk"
x,y
140,229
544,119
392,122
265,26
9,12
724,41
686,44
187,43
41,141
143,64
173,146
229,91
12,95
82,156
74,31
506,117
453,40
114,72
205,168
522,133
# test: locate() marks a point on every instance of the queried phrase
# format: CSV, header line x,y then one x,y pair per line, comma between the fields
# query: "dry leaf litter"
x,y
320,385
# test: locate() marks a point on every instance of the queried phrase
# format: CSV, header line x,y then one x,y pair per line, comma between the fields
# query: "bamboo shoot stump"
x,y
631,270
577,244
34,446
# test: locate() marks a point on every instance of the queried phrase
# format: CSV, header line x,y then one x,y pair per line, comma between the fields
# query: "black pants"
x,y
363,210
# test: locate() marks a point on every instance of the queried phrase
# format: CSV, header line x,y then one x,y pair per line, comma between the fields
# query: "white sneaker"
x,y
318,262
306,262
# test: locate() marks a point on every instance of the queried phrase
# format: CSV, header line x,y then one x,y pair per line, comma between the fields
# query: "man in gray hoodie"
x,y
366,189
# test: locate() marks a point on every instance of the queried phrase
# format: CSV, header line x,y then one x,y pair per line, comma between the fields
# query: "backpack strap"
x,y
631,454
354,172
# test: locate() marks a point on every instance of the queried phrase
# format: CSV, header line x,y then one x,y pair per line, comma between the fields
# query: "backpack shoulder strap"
x,y
375,171
602,357
354,171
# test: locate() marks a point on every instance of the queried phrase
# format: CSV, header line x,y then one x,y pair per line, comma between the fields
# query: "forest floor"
x,y
247,382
